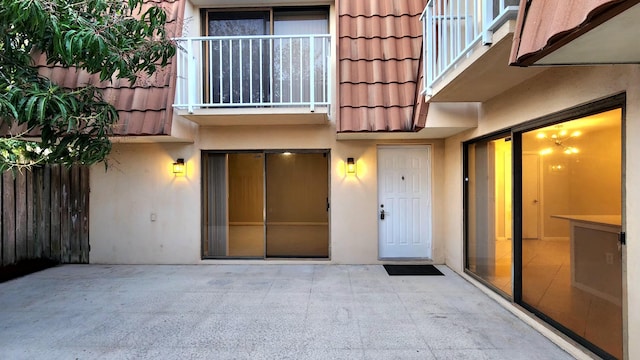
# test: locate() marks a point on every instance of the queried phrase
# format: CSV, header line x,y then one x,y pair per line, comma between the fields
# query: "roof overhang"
x,y
254,3
257,116
426,133
552,32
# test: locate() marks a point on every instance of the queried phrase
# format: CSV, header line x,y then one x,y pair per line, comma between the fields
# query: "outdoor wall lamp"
x,y
179,167
351,166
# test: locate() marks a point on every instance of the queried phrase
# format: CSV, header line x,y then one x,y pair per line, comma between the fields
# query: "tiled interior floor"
x,y
257,312
546,284
501,278
547,287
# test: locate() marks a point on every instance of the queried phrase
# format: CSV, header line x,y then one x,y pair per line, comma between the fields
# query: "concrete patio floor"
x,y
257,312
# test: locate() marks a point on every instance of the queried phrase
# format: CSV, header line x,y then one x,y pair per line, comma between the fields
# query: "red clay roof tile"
x,y
380,48
379,52
384,27
380,72
378,95
368,8
145,108
379,118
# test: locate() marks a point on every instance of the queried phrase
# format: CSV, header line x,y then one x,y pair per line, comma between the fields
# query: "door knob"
x,y
381,214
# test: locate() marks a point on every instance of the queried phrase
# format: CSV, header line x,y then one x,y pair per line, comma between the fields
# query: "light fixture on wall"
x,y
351,166
179,167
559,138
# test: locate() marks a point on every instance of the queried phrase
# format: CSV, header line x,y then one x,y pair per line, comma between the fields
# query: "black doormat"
x,y
412,270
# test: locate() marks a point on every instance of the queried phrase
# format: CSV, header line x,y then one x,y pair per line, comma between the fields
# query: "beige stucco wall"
x,y
554,90
139,185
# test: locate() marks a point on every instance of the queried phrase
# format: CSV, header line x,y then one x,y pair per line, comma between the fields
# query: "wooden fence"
x,y
45,215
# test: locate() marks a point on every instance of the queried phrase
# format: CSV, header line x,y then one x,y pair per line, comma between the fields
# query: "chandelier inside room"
x,y
560,137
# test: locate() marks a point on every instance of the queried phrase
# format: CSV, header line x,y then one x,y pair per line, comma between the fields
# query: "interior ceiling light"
x,y
559,138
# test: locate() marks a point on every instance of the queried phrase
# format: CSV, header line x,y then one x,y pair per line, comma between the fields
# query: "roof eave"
x,y
593,17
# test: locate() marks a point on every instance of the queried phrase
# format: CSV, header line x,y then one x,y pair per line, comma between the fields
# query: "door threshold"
x,y
404,259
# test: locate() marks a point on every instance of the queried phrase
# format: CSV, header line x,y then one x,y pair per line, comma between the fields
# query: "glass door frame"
x,y
574,113
503,134
591,108
204,188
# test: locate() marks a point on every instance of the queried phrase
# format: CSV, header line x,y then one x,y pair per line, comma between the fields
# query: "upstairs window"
x,y
258,57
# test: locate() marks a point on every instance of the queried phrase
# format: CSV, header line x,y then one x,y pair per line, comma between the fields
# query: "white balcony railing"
x,y
452,28
253,71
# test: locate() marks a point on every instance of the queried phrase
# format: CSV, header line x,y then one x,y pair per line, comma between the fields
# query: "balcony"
x,y
467,45
251,80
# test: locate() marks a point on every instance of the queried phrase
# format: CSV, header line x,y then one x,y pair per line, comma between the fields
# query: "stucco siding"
x,y
139,185
554,90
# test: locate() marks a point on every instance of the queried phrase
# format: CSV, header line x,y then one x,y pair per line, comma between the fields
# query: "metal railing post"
x,y
178,98
191,70
312,71
487,18
432,58
215,84
220,80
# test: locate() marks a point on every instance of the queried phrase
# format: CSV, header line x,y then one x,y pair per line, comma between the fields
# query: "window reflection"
x,y
489,218
571,217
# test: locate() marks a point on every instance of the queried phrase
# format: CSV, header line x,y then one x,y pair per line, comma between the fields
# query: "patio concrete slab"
x,y
257,312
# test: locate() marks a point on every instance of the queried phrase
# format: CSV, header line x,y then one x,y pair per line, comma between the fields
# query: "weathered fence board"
x,y
55,209
22,242
84,217
65,205
74,232
8,219
38,212
45,214
30,217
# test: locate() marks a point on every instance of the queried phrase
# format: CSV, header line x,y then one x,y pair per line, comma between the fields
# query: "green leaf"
x,y
29,108
42,105
105,37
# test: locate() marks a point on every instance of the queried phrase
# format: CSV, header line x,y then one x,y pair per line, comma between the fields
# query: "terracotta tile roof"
x,y
145,108
379,54
543,26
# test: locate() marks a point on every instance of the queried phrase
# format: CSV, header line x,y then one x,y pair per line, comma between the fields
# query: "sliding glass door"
x,y
233,63
572,270
297,205
488,206
265,204
248,68
544,221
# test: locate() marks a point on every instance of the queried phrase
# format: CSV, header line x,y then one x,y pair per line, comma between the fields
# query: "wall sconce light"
x,y
351,166
179,167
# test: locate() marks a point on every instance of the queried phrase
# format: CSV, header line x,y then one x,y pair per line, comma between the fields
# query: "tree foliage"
x,y
112,38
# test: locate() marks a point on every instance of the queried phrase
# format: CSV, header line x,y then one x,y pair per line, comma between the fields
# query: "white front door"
x,y
404,202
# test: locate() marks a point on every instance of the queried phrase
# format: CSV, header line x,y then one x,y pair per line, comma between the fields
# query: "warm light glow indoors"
x,y
546,151
286,153
179,167
559,139
351,166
